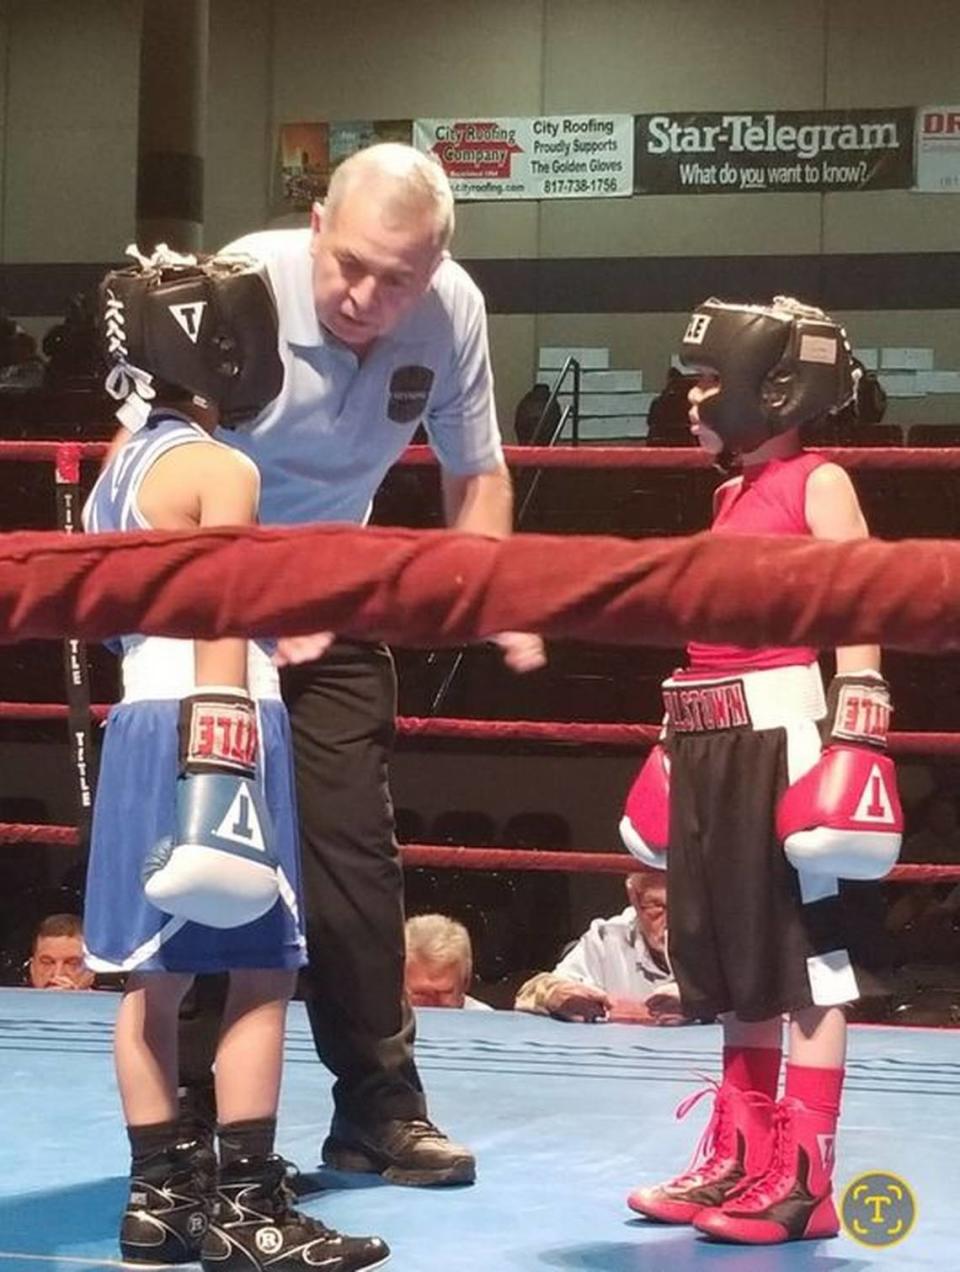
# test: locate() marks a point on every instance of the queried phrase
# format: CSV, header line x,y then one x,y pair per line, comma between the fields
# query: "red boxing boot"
x,y
792,1200
735,1145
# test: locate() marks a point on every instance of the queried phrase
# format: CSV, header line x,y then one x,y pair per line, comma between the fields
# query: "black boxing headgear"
x,y
779,366
206,325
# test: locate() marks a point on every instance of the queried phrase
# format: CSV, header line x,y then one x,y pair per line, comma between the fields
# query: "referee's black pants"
x,y
342,712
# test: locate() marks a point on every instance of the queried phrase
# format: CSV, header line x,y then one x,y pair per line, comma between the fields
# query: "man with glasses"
x,y
618,970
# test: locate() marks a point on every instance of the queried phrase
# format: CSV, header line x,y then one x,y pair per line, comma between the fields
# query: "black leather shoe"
x,y
404,1151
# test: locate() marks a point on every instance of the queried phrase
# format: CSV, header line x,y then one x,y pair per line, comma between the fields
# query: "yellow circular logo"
x,y
878,1209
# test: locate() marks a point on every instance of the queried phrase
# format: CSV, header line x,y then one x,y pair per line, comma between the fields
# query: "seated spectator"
x,y
56,961
71,346
668,420
20,367
529,414
439,965
618,970
869,405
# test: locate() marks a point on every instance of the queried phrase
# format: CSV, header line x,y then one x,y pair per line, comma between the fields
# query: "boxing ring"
x,y
564,1118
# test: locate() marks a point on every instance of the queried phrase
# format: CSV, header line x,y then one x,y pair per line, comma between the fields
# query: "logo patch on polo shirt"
x,y
409,390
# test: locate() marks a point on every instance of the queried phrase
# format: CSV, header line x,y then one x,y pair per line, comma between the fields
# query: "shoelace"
x,y
709,1142
422,1128
286,1210
716,1138
761,1191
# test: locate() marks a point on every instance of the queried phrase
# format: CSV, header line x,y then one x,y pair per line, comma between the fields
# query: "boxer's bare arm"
x,y
833,511
204,484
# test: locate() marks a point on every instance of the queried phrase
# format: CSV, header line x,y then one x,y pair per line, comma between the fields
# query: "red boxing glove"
x,y
843,817
645,825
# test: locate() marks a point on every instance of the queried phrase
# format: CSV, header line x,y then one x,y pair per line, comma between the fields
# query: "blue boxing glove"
x,y
220,868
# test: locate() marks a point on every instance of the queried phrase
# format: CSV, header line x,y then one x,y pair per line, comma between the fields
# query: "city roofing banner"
x,y
548,157
938,149
758,152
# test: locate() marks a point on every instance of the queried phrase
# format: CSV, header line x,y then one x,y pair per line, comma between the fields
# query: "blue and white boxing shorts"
x,y
136,806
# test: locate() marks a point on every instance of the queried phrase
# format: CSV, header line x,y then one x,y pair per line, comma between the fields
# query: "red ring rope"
x,y
882,458
460,858
634,736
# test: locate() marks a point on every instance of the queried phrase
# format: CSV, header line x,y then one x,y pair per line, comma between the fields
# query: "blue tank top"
x,y
158,666
113,503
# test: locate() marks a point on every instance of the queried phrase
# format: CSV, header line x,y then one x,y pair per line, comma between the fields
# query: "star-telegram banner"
x,y
758,152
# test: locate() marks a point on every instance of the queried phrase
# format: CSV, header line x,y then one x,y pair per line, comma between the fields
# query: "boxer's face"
x,y
370,266
707,386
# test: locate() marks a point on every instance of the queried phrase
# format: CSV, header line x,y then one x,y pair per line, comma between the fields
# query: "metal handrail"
x,y
570,365
537,473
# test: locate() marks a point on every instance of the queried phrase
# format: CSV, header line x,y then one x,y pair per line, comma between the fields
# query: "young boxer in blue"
x,y
195,858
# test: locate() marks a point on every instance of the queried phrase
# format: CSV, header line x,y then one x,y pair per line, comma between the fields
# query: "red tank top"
x,y
767,499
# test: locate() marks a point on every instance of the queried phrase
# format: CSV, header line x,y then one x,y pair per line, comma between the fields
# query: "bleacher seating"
x,y
933,435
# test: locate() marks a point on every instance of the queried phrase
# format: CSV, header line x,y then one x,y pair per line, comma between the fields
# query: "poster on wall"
x,y
938,149
759,152
548,157
310,152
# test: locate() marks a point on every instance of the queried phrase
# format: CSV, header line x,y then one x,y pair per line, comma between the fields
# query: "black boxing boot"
x,y
254,1227
166,1214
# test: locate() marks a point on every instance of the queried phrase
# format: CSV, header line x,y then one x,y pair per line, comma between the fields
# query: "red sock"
x,y
818,1089
752,1069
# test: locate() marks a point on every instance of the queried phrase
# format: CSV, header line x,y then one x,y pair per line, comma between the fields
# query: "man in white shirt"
x,y
379,331
618,970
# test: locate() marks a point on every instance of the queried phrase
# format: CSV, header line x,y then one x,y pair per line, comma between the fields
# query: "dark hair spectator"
x,y
20,365
529,413
71,345
868,407
870,404
56,958
668,421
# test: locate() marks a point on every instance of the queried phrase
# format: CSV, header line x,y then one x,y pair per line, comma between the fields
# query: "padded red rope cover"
x,y
437,588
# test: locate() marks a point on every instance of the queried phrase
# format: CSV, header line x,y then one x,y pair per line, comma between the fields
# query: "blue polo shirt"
x,y
324,445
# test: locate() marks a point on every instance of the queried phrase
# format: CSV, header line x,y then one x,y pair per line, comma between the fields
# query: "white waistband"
x,y
159,667
766,699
